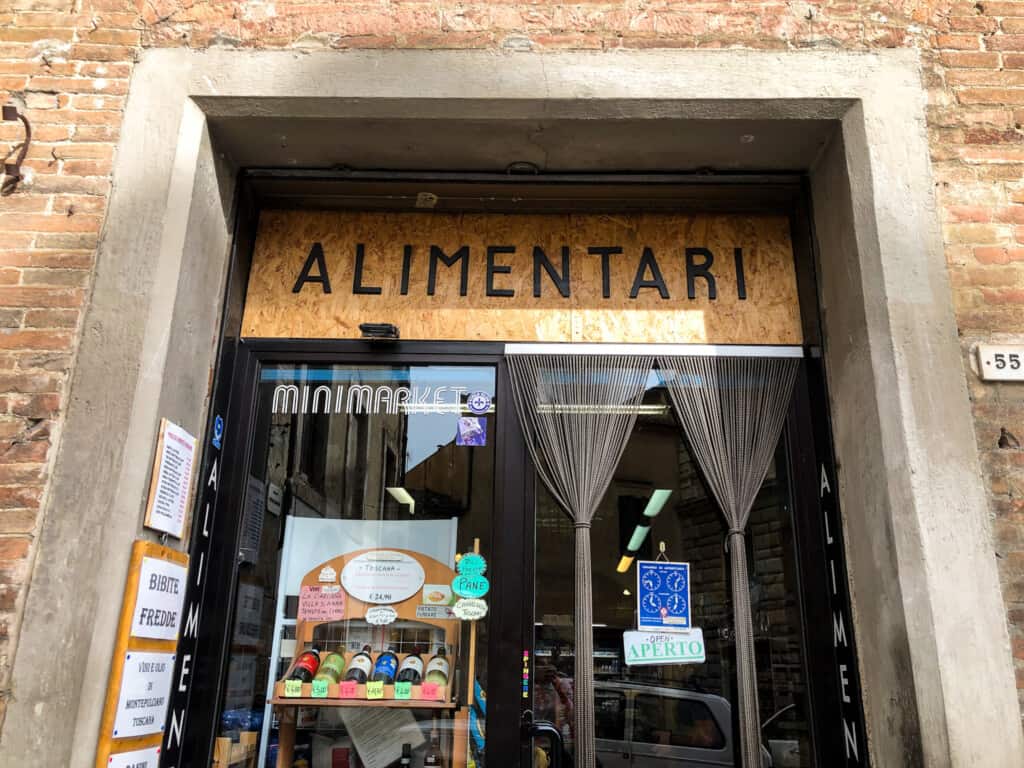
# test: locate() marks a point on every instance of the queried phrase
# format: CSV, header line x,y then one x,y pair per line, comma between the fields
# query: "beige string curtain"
x,y
577,412
732,411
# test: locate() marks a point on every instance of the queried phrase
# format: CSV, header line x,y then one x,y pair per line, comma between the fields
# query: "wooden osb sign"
x,y
636,277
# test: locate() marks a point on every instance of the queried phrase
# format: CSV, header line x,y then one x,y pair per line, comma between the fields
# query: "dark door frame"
x,y
834,700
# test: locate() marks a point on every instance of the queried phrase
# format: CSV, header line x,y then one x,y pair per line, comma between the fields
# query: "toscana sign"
x,y
561,277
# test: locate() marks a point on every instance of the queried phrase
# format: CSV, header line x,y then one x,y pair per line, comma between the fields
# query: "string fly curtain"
x,y
577,412
732,410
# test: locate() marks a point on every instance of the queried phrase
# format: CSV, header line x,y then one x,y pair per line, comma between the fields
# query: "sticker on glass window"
x,y
472,431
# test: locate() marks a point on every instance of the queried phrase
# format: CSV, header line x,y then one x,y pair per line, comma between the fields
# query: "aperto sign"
x,y
661,648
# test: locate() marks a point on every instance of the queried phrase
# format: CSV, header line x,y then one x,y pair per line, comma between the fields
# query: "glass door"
x,y
657,712
369,563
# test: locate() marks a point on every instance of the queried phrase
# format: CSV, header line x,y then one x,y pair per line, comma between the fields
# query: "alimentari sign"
x,y
633,277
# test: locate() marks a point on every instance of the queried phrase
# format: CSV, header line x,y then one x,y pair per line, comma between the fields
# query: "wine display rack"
x,y
417,700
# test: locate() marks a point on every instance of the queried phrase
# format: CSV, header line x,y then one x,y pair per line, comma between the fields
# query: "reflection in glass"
x,y
365,486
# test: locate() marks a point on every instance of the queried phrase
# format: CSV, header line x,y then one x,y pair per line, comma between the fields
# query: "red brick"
x,y
970,60
57,340
971,213
998,255
1003,295
13,547
31,406
991,96
958,42
972,24
1005,42
16,521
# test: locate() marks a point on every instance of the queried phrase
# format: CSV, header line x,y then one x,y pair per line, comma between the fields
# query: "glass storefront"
x,y
368,519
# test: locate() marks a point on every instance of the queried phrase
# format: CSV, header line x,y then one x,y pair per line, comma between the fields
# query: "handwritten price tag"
x,y
347,689
430,691
403,690
319,689
293,689
375,690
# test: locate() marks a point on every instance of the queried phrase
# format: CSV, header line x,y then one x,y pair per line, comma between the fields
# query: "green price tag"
x,y
375,689
319,689
293,689
403,690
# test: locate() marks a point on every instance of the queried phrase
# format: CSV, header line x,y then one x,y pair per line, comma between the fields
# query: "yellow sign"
x,y
140,670
634,277
375,689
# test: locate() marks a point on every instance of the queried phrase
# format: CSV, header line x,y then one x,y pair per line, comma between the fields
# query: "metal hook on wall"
x,y
13,170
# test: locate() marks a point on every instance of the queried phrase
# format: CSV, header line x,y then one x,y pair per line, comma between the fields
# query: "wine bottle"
x,y
331,668
406,758
411,670
306,666
385,668
438,668
360,667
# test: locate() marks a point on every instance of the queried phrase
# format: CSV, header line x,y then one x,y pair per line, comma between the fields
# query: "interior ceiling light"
x,y
640,410
402,496
626,592
656,502
654,505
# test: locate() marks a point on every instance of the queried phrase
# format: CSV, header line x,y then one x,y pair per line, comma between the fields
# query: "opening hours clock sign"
x,y
663,596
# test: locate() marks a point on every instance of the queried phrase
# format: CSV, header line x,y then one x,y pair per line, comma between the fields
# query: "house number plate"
x,y
1001,362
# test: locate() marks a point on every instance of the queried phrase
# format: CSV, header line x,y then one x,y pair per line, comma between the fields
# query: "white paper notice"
x,y
145,686
174,481
378,734
139,758
158,604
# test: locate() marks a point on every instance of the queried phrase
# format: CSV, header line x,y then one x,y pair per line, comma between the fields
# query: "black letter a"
x,y
316,256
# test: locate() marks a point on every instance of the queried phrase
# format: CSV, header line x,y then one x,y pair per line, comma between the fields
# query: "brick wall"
x,y
68,62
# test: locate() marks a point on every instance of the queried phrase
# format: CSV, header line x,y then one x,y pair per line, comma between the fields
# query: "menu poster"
x,y
172,480
378,734
321,603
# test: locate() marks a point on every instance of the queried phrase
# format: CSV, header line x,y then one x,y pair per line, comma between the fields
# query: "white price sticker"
x,y
1001,362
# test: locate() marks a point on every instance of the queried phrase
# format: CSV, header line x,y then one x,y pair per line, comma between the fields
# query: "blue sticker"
x,y
478,402
218,432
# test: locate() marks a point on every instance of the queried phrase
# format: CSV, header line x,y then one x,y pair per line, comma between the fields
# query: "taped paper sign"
x,y
321,603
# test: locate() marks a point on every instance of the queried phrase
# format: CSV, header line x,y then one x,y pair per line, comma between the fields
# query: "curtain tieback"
x,y
733,532
577,524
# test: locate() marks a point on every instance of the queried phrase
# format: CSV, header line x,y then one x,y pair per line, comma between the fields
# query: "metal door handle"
x,y
531,729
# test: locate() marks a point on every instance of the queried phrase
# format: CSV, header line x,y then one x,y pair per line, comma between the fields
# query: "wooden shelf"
x,y
281,701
